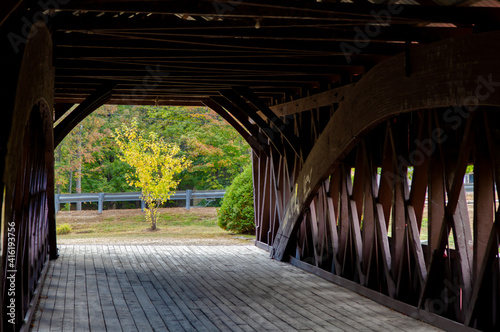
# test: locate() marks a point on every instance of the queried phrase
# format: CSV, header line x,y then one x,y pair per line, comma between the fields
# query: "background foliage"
x,y
216,150
236,213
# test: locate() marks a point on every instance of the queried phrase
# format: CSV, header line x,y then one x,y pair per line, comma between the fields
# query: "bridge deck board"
x,y
198,288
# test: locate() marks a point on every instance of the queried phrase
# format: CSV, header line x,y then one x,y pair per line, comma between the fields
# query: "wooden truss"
x,y
336,131
378,198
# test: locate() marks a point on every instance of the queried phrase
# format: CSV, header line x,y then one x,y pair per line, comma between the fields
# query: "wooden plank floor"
x,y
198,288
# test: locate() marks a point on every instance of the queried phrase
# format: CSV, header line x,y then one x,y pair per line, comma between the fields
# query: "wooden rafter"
x,y
278,124
256,146
94,101
324,11
238,102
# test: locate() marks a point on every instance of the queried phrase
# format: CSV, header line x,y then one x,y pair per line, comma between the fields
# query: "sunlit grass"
x,y
175,223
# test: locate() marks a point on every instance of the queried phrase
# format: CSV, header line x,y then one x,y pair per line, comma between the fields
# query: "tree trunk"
x,y
70,187
79,177
59,160
153,219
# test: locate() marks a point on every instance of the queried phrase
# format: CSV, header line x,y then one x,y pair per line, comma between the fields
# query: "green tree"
x,y
101,169
78,148
155,163
216,150
236,213
218,153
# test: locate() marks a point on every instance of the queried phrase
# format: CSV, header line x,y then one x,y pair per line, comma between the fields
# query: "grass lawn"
x,y
175,226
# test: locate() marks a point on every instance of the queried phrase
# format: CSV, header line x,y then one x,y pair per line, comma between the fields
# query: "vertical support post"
x,y
52,199
57,204
100,203
188,199
52,237
256,193
143,205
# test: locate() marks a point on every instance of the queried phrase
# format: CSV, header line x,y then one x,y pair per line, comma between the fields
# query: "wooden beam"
x,y
66,21
7,7
245,28
266,130
195,77
206,56
386,91
237,113
124,40
455,186
118,100
278,124
127,67
94,101
254,144
484,267
326,98
281,9
60,109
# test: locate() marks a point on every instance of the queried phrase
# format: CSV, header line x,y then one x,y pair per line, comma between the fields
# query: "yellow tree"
x,y
155,163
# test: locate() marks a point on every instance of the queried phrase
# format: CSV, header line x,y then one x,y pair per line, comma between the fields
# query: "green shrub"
x,y
63,229
236,212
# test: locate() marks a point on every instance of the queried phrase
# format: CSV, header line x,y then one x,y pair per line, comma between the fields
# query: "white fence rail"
x,y
100,198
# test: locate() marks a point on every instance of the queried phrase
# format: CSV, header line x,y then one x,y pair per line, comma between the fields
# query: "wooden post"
x,y
27,169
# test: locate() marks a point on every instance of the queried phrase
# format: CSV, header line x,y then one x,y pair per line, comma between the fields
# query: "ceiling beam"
x,y
161,28
199,44
220,68
209,79
284,9
184,101
60,109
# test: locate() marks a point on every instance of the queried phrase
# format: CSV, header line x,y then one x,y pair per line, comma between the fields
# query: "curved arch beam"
x,y
458,71
89,105
27,177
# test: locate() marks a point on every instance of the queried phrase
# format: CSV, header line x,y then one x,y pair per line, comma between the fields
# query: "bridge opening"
x,y
316,89
216,151
91,176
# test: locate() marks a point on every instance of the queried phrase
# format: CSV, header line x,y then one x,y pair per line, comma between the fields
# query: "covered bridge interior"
x,y
358,113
